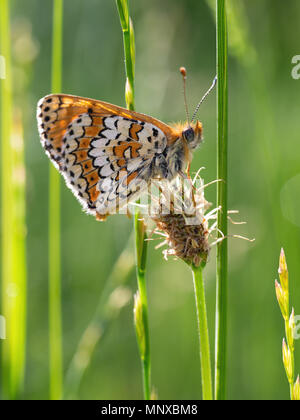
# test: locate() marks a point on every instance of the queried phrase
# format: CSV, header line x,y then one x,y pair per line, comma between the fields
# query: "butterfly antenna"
x,y
204,97
183,74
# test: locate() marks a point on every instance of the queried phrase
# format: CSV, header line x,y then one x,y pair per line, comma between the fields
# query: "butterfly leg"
x,y
159,167
101,217
187,176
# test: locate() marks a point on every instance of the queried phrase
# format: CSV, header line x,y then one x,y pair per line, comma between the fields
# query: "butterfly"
x,y
108,154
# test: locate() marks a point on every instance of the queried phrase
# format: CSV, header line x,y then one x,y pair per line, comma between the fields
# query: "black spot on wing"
x,y
155,132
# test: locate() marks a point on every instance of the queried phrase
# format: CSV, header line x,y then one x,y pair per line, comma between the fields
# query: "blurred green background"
x,y
264,185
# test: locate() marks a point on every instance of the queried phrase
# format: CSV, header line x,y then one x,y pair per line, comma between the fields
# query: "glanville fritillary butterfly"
x,y
108,154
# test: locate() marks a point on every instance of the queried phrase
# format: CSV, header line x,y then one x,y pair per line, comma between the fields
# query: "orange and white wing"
x,y
104,152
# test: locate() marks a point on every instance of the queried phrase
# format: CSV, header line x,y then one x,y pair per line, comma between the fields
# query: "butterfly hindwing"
x,y
104,152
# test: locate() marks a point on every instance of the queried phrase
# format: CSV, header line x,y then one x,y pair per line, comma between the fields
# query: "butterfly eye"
x,y
188,134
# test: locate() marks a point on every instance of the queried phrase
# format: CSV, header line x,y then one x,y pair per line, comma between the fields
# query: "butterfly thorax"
x,y
178,154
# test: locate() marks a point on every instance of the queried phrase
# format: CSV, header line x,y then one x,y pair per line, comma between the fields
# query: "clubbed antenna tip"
x,y
183,74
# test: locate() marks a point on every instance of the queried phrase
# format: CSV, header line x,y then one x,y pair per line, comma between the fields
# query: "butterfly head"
x,y
192,134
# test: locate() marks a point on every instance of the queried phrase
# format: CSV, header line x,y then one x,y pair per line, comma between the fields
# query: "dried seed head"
x,y
190,243
183,224
182,218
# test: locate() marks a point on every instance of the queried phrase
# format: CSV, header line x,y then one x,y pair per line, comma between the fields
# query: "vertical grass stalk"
x,y
55,322
13,230
6,194
141,322
205,361
222,140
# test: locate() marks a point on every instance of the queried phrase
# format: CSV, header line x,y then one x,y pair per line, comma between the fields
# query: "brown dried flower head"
x,y
183,222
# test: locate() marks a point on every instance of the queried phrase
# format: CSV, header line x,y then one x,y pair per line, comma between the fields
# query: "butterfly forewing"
x,y
104,152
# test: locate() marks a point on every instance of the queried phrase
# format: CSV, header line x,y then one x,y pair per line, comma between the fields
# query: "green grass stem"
x,y
6,193
207,391
141,258
221,262
13,230
139,226
55,319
